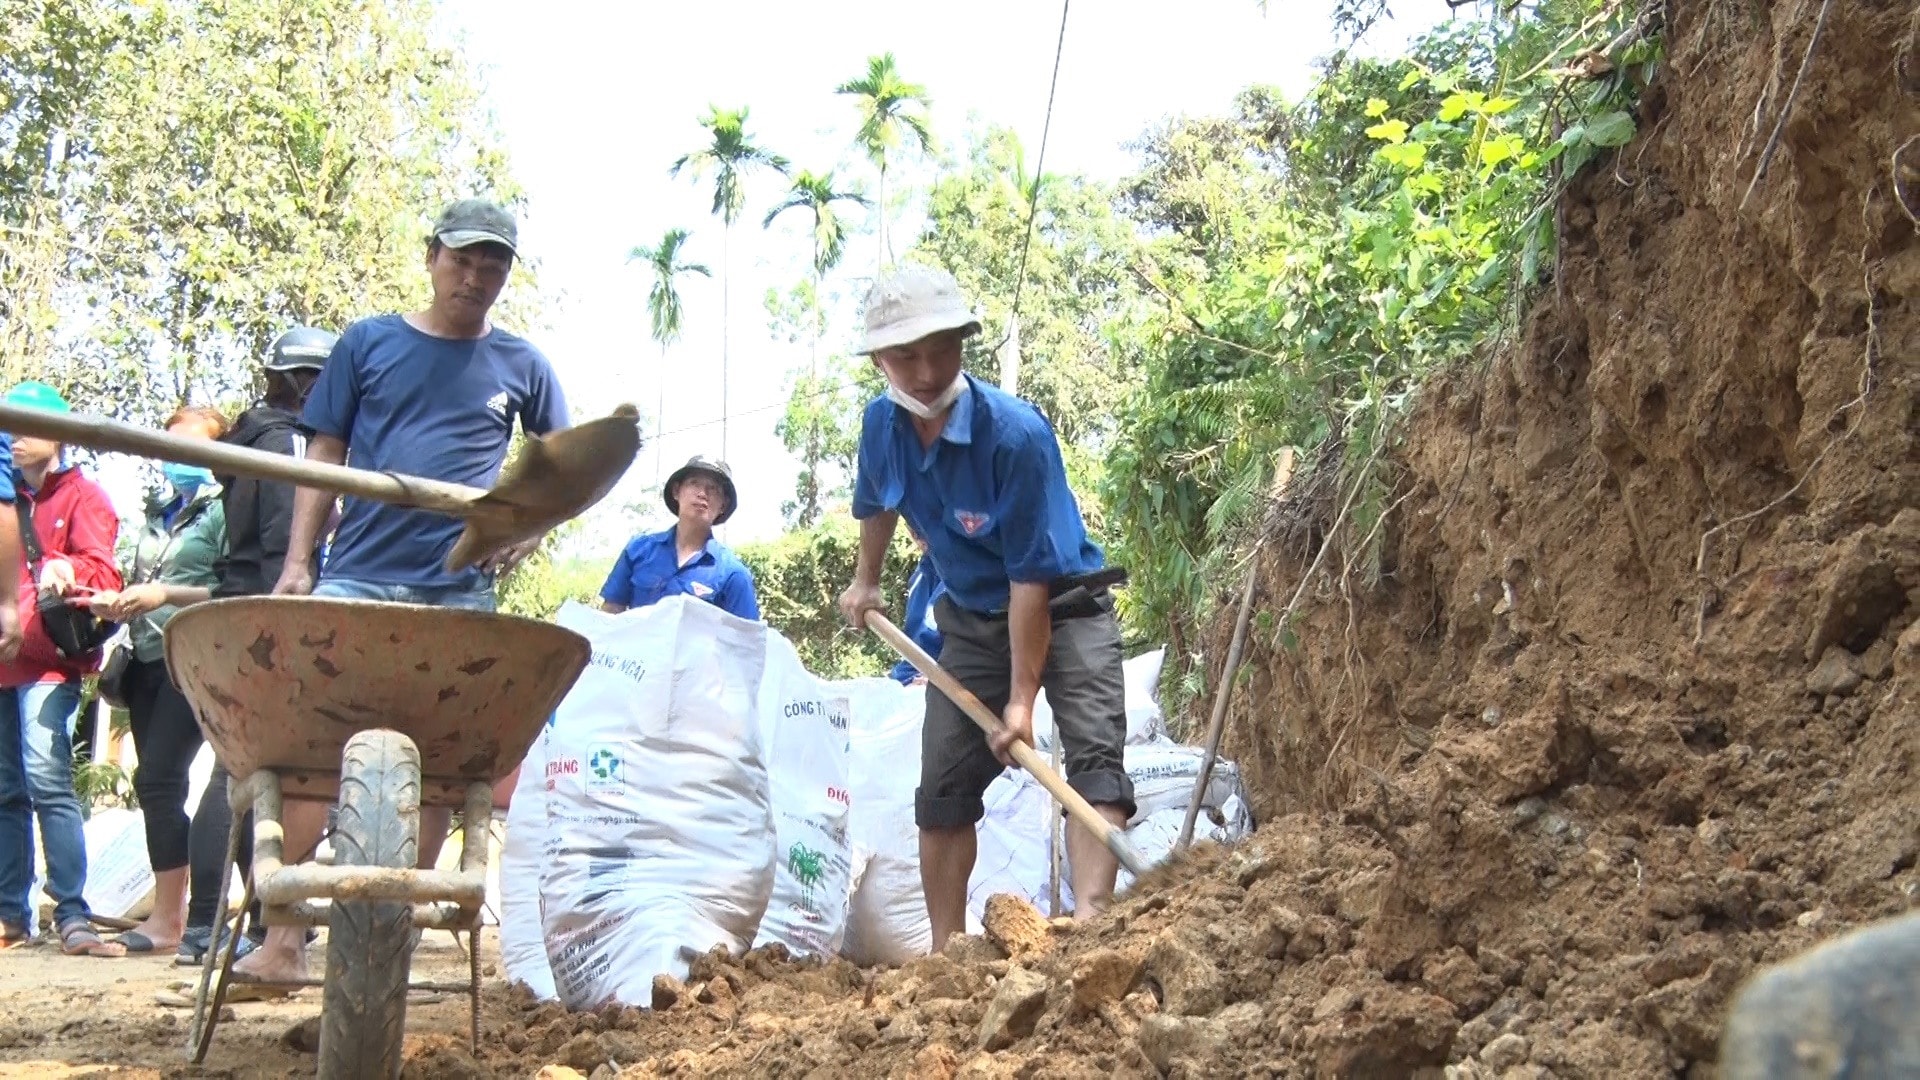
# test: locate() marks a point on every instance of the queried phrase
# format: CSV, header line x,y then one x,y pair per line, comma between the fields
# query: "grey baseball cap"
x,y
476,221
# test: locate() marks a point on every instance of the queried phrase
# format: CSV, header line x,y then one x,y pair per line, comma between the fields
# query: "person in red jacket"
x,y
76,526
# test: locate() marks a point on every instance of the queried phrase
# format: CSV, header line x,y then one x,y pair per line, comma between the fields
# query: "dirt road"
x,y
70,1018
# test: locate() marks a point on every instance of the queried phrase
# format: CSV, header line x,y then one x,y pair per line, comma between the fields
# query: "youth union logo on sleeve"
x,y
603,768
701,589
972,522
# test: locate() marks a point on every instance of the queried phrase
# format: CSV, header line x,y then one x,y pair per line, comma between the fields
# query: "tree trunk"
x,y
726,292
660,419
882,205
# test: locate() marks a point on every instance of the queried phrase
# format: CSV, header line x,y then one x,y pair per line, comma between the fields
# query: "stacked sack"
x,y
659,814
806,727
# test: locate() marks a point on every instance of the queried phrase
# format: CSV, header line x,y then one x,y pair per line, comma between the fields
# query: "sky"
x,y
596,100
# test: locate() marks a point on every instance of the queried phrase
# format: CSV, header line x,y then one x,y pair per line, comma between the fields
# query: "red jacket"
x,y
74,520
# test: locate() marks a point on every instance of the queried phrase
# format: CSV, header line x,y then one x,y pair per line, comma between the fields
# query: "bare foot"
x,y
270,965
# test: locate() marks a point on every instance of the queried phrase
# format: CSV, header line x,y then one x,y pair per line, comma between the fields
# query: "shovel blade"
x,y
555,479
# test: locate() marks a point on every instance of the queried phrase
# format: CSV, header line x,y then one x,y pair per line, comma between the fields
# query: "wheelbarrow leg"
x,y
205,1019
473,969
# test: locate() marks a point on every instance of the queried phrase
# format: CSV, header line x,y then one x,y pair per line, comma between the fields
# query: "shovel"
x,y
554,479
1024,755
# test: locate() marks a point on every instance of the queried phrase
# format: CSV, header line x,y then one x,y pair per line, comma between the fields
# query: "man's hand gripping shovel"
x,y
1023,754
554,479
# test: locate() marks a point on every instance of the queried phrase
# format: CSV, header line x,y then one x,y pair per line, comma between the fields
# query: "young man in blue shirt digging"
x,y
686,558
978,475
431,393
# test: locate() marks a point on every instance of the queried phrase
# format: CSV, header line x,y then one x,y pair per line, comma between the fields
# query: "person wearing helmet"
x,y
259,522
70,554
686,558
978,474
434,393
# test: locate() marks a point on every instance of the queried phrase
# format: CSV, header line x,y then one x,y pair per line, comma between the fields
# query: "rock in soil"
x,y
1189,982
1016,1006
1102,976
1167,1039
1016,926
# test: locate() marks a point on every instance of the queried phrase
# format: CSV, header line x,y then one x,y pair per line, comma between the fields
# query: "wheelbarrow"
x,y
381,709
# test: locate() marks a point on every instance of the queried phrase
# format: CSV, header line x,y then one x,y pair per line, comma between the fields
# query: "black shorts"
x,y
1085,687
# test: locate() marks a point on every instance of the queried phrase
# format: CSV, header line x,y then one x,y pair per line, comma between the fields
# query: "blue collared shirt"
x,y
923,588
6,468
990,496
649,570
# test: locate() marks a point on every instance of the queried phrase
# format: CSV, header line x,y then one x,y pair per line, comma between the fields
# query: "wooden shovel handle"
x,y
1023,753
100,433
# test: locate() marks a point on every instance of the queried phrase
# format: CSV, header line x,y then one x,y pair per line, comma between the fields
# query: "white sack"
x,y
887,918
529,847
806,727
1014,856
659,807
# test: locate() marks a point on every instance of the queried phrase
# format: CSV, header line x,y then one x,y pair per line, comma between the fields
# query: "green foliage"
x,y
821,427
893,118
731,156
1077,279
1318,261
224,169
664,311
539,586
102,782
189,178
816,194
799,578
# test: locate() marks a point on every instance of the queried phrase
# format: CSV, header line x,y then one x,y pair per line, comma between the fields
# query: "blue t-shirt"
x,y
990,497
6,467
649,570
406,401
923,588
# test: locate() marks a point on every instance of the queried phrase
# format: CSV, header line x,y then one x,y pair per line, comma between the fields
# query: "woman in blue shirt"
x,y
686,558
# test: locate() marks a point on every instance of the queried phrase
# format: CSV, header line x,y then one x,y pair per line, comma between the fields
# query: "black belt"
x,y
1076,595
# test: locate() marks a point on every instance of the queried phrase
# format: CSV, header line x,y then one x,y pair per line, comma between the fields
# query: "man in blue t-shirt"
x,y
431,393
686,558
978,474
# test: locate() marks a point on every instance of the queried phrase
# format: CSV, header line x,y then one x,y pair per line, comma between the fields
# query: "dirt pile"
x,y
1631,711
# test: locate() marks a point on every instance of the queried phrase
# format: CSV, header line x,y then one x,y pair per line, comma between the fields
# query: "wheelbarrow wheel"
x,y
369,943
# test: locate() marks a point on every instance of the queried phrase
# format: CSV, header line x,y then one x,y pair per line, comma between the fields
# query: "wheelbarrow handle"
x,y
1023,753
101,433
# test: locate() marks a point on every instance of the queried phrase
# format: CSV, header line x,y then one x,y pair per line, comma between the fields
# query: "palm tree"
x,y
663,305
731,156
816,194
893,112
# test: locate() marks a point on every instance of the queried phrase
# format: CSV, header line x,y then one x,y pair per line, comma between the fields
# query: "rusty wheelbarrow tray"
x,y
291,692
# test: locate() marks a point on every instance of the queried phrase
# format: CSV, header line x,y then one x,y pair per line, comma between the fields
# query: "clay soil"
x,y
1628,711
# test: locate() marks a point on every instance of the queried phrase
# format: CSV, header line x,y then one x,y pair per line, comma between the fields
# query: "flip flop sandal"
x,y
78,938
14,937
140,944
244,987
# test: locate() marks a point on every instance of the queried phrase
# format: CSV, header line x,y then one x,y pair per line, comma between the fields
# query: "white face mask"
x,y
922,409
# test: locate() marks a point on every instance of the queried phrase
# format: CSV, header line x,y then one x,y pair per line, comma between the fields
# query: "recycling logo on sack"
x,y
603,768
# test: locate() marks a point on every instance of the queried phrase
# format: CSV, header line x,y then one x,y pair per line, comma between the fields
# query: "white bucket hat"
x,y
912,302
